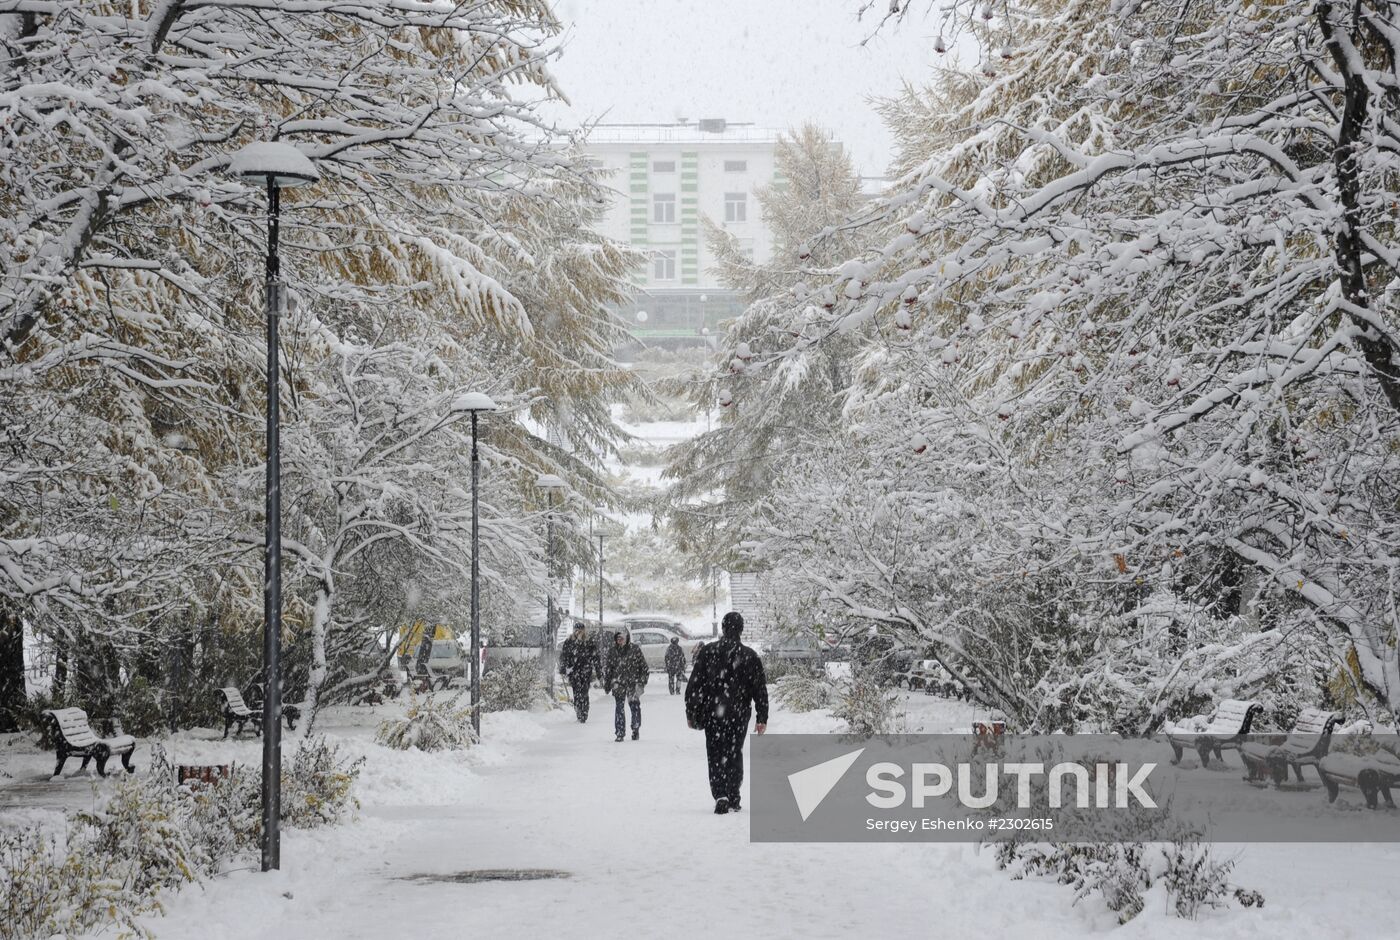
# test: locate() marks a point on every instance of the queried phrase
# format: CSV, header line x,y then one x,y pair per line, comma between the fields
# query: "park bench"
x,y
291,714
1305,745
379,693
427,679
237,711
1227,727
1373,774
72,736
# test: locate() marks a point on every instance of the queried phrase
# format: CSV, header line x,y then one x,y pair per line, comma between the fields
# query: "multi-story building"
x,y
667,177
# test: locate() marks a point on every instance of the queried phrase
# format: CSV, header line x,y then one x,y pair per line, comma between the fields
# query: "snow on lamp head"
x,y
279,163
548,481
474,401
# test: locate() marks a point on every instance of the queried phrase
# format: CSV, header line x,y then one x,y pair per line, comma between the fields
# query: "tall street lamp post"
x,y
551,485
475,402
280,166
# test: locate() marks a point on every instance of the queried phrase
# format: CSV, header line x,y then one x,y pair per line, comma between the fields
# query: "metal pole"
x,y
714,600
476,590
272,564
600,581
547,641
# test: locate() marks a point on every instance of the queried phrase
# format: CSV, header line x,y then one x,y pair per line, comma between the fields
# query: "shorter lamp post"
x,y
279,166
551,484
475,403
605,529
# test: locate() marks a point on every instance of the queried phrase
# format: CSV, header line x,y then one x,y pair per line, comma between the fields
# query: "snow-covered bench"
x,y
237,711
1227,726
1373,774
291,714
1306,744
73,737
428,679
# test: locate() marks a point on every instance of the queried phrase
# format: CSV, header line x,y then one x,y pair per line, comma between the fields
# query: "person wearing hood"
x,y
578,664
675,666
625,677
725,678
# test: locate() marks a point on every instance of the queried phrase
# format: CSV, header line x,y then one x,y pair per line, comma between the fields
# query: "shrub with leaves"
x,y
515,685
804,692
1122,872
143,831
318,786
867,707
430,724
49,890
1123,865
112,864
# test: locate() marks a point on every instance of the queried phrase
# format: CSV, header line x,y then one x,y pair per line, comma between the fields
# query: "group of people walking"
x,y
726,678
623,671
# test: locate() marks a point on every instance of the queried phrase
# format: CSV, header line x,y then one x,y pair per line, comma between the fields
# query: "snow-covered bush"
x,y
804,692
1122,872
111,864
143,832
317,789
47,890
513,686
431,724
1135,850
867,707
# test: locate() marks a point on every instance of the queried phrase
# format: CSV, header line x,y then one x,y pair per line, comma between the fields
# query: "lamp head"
x,y
474,401
274,161
548,481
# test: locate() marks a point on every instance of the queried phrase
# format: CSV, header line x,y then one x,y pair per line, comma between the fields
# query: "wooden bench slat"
x,y
235,702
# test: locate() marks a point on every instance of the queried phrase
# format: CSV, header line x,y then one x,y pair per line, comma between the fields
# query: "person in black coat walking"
x,y
725,677
578,664
675,665
626,676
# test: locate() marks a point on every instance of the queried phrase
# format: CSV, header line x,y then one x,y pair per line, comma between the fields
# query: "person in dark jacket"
x,y
626,676
675,665
725,677
578,664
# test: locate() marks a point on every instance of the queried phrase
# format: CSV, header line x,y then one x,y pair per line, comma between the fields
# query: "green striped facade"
x,y
690,217
638,168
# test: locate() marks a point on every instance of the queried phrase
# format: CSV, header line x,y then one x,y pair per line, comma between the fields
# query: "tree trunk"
x,y
316,674
13,699
1376,347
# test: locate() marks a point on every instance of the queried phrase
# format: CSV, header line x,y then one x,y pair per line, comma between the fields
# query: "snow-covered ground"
x,y
631,826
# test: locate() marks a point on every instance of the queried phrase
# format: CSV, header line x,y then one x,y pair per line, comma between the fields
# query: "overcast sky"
x,y
776,63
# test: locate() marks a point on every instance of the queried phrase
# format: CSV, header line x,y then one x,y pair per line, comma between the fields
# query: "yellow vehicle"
x,y
444,654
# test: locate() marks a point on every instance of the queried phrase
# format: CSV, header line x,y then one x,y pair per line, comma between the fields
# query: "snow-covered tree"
x,y
1133,304
725,478
451,231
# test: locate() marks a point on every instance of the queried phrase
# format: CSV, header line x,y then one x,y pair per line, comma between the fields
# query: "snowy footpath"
x,y
632,826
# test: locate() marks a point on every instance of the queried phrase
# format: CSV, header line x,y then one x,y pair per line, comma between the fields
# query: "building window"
x,y
746,248
663,207
663,166
736,207
663,266
736,166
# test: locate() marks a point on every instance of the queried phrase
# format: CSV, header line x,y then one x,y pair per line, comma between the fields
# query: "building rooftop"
x,y
704,131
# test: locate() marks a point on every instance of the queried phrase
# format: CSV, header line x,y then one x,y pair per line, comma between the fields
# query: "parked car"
x,y
653,643
797,650
658,622
836,651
